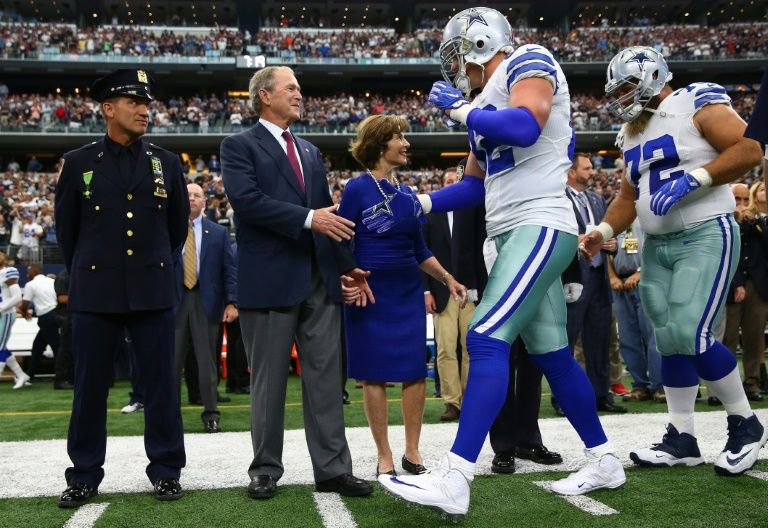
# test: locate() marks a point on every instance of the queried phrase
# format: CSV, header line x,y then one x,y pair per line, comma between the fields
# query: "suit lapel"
x,y
104,167
444,227
268,142
572,198
142,166
204,239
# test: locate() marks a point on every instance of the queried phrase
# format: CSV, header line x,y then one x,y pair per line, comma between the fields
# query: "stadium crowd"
x,y
332,114
581,44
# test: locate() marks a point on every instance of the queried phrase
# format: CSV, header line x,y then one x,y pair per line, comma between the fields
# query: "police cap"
x,y
124,82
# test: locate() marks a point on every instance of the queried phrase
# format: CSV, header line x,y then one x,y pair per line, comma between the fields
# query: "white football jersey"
x,y
7,274
670,146
526,185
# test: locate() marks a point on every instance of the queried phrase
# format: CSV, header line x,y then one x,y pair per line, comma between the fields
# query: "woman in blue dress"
x,y
386,339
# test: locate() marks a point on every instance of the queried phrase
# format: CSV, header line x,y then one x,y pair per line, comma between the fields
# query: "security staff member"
x,y
121,213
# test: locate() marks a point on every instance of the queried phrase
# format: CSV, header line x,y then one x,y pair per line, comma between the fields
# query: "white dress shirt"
x,y
40,292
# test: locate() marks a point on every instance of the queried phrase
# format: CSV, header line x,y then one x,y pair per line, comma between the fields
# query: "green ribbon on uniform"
x,y
87,177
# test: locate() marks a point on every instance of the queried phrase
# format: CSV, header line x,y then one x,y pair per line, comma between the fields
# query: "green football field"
x,y
687,497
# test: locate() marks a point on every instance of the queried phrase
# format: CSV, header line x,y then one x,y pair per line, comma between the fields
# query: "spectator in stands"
x,y
389,241
40,292
31,233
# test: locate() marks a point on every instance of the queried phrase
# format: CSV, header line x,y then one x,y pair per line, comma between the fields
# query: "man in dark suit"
x,y
289,266
206,293
590,315
121,215
456,239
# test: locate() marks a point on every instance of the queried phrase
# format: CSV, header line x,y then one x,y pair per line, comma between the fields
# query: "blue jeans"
x,y
637,343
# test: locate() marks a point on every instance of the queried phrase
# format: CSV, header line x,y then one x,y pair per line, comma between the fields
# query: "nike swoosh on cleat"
x,y
686,242
398,481
734,461
659,456
582,484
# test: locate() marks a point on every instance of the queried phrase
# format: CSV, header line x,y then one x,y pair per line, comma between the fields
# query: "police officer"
x,y
121,213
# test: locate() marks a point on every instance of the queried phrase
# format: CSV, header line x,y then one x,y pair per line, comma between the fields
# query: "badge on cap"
x,y
459,172
142,75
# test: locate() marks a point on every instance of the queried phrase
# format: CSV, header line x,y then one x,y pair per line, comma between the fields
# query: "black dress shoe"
x,y
212,426
755,396
609,406
556,406
413,469
503,463
63,385
262,487
76,495
347,485
539,454
168,490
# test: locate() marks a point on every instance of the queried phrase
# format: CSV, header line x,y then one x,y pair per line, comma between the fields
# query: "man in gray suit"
x,y
289,267
206,295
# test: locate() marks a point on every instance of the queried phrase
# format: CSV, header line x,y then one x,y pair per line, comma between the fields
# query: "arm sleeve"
x,y
510,126
470,191
13,300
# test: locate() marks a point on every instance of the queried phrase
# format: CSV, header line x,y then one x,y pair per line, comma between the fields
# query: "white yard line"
x,y
762,475
333,511
36,469
582,502
86,515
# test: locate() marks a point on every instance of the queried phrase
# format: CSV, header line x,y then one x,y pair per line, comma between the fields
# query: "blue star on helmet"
x,y
474,16
640,57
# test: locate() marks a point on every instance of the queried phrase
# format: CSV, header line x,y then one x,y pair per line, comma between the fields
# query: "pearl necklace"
x,y
395,184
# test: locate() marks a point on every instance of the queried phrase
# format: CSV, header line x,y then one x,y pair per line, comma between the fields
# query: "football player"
x,y
522,142
682,147
10,297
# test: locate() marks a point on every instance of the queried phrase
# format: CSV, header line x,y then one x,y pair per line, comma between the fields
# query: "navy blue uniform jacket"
x,y
120,243
217,276
275,254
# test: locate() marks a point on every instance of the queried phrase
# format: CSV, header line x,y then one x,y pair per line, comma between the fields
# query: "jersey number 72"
x,y
662,154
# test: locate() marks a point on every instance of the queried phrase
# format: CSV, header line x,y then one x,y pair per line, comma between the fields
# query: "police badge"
x,y
157,173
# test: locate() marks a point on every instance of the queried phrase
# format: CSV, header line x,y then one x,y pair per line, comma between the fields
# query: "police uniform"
x,y
121,215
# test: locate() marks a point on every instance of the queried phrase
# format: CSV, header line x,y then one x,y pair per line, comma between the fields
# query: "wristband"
x,y
461,113
425,201
702,176
606,230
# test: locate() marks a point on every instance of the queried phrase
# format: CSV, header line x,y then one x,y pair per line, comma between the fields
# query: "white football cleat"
x,y
445,488
745,438
602,471
21,381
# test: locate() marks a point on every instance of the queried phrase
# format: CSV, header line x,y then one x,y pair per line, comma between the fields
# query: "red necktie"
x,y
292,159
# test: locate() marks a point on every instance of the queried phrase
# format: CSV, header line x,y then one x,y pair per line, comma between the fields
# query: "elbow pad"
x,y
511,126
470,191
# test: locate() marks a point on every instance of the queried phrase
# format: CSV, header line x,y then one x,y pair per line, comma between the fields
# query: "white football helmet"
x,y
474,35
642,67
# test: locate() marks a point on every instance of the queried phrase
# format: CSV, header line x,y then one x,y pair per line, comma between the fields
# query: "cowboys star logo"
x,y
640,57
474,16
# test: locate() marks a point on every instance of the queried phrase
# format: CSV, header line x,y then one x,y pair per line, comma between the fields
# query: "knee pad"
x,y
654,299
4,355
487,355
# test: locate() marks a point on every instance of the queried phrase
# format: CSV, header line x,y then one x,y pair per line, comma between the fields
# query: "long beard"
x,y
639,125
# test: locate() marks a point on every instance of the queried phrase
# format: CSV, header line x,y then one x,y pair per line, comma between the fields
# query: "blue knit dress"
x,y
386,340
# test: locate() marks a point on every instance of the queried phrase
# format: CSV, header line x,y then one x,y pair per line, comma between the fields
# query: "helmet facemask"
x,y
453,65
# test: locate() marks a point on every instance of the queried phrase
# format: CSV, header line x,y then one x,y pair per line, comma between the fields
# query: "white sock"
x,y
600,450
731,392
680,404
464,466
14,366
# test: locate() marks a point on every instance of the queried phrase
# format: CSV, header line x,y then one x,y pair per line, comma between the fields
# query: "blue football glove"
x,y
672,192
446,97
